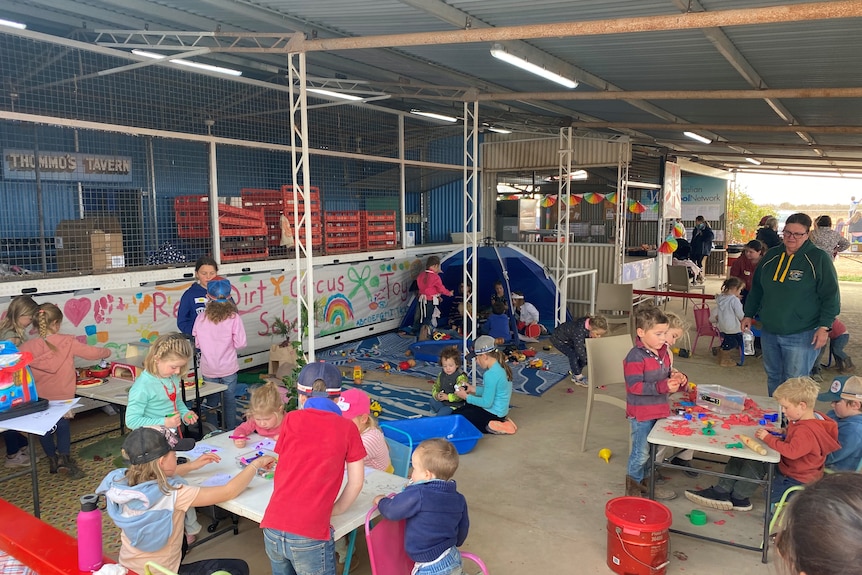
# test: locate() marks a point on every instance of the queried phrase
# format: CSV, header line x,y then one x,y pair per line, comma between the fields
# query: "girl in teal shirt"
x,y
488,410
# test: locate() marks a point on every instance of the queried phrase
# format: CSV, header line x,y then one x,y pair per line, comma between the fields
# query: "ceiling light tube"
x,y
189,63
753,161
498,52
697,137
12,24
332,94
499,130
434,116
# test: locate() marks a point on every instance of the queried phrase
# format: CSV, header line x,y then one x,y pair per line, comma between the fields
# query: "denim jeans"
x,y
786,356
448,564
639,458
207,566
63,434
229,407
753,470
291,554
837,346
14,441
440,408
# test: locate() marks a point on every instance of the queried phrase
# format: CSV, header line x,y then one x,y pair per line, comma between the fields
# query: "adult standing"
x,y
743,267
827,239
194,299
795,294
768,232
701,244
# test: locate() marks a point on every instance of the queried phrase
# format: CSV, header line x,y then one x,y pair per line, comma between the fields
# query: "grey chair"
x,y
614,301
677,280
605,357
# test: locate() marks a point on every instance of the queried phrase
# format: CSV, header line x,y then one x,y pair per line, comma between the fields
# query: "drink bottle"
x,y
89,534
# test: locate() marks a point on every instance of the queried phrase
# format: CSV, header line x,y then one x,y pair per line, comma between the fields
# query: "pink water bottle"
x,y
89,534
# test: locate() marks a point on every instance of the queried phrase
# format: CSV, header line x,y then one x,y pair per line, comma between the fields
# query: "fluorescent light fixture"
x,y
498,52
332,94
499,130
753,161
189,63
434,116
697,137
12,24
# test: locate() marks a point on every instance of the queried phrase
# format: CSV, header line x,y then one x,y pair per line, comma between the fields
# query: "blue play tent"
x,y
518,270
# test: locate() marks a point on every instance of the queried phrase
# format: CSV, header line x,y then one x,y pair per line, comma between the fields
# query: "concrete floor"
x,y
537,503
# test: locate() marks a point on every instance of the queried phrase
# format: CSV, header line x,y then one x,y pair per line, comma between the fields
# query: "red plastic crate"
x,y
371,246
343,248
378,216
342,216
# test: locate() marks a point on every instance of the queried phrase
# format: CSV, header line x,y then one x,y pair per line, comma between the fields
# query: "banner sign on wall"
x,y
703,196
63,166
346,296
672,191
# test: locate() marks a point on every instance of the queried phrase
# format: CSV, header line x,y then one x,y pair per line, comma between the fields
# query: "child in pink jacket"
x,y
430,289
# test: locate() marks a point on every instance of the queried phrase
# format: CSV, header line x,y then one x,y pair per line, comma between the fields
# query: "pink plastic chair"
x,y
703,326
385,540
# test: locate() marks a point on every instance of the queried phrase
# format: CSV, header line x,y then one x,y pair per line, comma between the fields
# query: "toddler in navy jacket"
x,y
435,513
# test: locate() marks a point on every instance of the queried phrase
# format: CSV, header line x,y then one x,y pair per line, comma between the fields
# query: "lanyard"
x,y
172,395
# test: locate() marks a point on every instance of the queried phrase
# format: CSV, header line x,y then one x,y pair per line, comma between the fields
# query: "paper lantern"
x,y
678,230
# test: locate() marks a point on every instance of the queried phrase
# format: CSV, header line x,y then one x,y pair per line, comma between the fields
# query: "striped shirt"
x,y
646,382
375,446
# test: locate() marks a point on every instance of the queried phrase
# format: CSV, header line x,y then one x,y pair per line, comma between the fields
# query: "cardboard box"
x,y
75,248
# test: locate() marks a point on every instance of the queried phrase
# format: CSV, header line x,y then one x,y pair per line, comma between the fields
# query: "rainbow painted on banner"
x,y
338,311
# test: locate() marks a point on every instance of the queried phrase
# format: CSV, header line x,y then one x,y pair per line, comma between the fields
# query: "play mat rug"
x,y
371,353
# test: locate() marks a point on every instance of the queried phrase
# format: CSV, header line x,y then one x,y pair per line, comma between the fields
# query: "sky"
x,y
799,190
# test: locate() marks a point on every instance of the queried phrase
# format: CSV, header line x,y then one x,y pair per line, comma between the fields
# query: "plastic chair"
x,y
779,507
677,280
399,453
614,301
703,327
605,357
386,553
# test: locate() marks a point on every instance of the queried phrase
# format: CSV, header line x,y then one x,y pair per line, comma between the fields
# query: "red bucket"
x,y
637,536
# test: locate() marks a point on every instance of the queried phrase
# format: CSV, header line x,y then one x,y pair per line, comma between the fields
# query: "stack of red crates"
x,y
276,203
343,232
378,230
242,231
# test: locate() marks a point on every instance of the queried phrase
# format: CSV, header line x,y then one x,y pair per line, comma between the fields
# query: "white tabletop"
x,y
252,502
116,391
715,444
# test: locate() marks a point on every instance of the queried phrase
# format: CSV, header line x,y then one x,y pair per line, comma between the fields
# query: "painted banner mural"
x,y
345,296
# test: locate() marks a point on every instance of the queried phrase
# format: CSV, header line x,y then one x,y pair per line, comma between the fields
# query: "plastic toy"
x,y
708,429
385,366
357,375
376,408
752,444
737,445
536,364
605,454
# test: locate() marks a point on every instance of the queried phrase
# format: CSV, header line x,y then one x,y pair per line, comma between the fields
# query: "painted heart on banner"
x,y
76,309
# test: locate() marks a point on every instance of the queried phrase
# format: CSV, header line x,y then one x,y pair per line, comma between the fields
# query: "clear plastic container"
x,y
720,399
246,458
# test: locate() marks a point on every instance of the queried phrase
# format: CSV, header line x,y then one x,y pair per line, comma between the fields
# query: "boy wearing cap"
x,y
218,334
148,501
488,412
314,444
845,395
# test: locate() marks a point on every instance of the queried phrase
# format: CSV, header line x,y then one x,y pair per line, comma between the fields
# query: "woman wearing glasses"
x,y
795,296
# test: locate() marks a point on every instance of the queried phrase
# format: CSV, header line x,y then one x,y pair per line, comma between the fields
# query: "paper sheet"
x,y
200,449
41,422
216,480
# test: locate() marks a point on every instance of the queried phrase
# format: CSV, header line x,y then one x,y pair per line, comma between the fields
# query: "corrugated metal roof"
x,y
804,54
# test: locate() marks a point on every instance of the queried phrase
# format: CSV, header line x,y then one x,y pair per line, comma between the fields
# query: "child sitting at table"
x,y
53,367
647,369
264,415
570,339
436,514
810,437
155,397
845,394
314,444
443,398
355,405
148,501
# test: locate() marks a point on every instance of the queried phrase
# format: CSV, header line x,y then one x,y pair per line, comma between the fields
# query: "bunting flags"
x,y
678,230
669,245
634,206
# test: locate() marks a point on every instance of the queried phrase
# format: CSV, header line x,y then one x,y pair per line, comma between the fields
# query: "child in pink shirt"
x,y
264,416
430,289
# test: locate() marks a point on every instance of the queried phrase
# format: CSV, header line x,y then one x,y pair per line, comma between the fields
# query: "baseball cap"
x,y
330,375
844,387
219,289
517,295
146,444
483,344
354,402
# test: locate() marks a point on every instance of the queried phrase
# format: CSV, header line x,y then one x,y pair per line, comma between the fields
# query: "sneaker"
x,y
709,497
505,427
662,494
580,380
109,410
685,463
741,504
20,459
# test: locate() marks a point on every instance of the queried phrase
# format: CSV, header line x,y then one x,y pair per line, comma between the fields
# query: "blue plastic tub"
x,y
412,432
